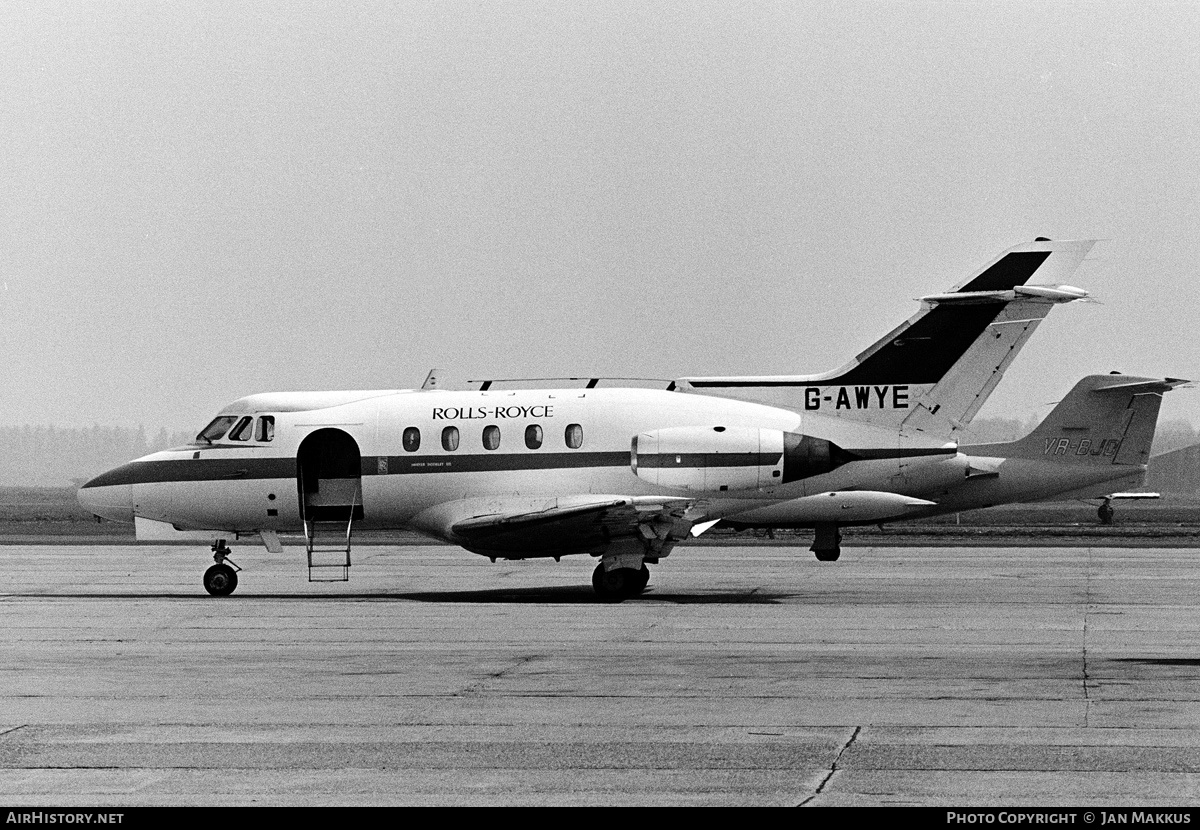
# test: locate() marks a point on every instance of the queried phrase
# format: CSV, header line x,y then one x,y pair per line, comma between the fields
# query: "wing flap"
x,y
499,522
571,527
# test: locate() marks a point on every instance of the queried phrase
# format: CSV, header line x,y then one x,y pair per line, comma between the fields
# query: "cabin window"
x,y
574,436
412,439
243,430
217,428
450,439
491,437
533,436
266,428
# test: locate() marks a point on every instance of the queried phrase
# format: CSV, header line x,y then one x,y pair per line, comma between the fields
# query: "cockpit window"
x,y
243,430
217,428
266,428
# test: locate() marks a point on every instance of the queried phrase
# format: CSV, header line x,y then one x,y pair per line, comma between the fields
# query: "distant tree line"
x,y
49,456
1170,435
996,430
1174,435
1176,472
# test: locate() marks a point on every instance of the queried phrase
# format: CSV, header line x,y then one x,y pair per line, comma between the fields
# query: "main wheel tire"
x,y
617,584
828,555
640,581
220,580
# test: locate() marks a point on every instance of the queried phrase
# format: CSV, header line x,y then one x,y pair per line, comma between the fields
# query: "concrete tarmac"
x,y
750,675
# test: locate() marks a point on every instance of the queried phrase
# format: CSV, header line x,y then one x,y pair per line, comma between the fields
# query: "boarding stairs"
x,y
328,527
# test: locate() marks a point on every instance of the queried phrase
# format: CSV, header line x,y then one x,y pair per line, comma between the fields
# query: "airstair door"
x,y
329,477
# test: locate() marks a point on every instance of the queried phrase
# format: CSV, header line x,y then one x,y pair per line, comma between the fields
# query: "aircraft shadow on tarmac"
x,y
585,596
558,595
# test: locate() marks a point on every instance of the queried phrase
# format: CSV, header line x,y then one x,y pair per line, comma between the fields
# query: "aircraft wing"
x,y
518,528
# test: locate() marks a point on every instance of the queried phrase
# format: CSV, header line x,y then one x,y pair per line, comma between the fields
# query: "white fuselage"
x,y
543,446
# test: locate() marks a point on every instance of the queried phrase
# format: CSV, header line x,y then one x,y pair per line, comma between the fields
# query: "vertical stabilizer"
x,y
931,374
1104,420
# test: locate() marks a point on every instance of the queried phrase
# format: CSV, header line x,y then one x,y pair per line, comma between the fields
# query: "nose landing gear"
x,y
221,579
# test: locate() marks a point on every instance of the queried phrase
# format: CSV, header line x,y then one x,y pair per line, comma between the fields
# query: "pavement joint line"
x,y
833,768
1087,607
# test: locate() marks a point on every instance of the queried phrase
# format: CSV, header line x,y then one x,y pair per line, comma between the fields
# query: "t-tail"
x,y
931,374
1105,420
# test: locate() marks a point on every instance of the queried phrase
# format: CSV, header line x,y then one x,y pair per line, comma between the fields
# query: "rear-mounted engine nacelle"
x,y
719,459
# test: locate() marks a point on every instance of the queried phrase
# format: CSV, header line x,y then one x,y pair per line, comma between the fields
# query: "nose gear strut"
x,y
221,579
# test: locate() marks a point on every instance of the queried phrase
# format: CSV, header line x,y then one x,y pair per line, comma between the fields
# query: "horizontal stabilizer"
x,y
1049,293
1138,387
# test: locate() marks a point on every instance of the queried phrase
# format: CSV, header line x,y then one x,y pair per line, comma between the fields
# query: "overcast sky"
x,y
200,201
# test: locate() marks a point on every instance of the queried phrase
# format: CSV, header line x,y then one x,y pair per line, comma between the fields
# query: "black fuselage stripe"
x,y
195,469
243,469
883,453
490,462
705,459
251,469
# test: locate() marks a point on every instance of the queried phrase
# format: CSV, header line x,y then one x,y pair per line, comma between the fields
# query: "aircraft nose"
x,y
107,498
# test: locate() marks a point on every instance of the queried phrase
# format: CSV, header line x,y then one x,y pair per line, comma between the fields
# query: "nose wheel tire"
x,y
220,580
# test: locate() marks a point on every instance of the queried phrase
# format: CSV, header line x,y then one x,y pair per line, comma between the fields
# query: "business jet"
x,y
625,473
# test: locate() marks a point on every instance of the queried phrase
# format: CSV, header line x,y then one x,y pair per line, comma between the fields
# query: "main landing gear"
x,y
827,543
619,583
221,579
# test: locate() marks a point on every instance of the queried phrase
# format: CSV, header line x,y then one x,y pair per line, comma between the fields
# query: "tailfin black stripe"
x,y
922,352
1013,269
925,351
919,353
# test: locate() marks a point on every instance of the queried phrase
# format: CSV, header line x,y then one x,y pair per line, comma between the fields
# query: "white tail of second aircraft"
x,y
931,374
1104,420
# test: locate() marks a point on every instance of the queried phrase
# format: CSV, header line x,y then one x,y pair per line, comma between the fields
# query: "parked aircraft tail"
x,y
932,373
1103,420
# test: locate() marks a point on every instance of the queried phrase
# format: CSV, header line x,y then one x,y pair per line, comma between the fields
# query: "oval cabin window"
x,y
450,439
491,437
412,439
574,436
533,436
